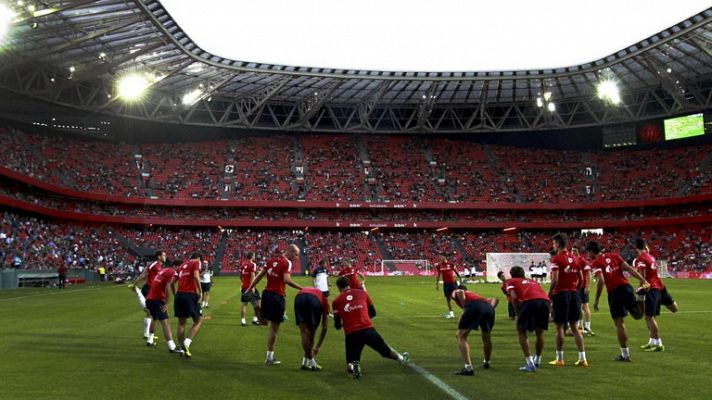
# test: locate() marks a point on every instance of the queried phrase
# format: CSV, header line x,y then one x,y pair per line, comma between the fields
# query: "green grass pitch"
x,y
86,343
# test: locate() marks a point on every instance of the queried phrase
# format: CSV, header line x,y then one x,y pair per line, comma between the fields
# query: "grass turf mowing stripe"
x,y
437,382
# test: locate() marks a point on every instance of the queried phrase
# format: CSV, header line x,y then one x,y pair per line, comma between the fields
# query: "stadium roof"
x,y
70,53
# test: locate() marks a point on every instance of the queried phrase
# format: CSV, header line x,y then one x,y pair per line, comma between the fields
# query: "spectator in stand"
x,y
61,276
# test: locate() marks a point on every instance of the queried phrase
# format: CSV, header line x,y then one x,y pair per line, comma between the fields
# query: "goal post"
x,y
404,267
504,261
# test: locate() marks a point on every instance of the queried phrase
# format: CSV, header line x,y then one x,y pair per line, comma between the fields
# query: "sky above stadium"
x,y
418,35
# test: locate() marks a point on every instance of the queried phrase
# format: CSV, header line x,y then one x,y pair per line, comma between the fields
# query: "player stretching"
x,y
206,278
478,314
247,275
278,271
353,275
353,309
149,274
585,322
156,302
566,278
311,309
187,301
608,268
532,307
656,295
448,272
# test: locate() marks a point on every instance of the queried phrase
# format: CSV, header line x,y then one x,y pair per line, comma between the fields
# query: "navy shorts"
x,y
246,297
144,289
273,306
187,305
326,294
308,310
622,301
534,315
477,315
583,296
448,288
154,307
654,299
566,307
206,286
355,341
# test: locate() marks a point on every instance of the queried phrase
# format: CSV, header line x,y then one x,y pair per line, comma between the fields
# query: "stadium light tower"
x,y
6,18
608,91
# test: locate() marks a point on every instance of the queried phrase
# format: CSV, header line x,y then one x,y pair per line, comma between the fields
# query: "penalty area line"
x,y
437,382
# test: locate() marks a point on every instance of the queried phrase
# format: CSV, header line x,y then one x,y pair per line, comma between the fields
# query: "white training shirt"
x,y
206,276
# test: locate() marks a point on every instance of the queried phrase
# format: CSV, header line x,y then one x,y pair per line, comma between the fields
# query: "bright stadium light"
x,y
193,96
6,18
551,107
132,87
608,91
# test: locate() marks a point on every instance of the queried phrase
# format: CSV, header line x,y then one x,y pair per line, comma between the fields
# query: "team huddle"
x,y
566,304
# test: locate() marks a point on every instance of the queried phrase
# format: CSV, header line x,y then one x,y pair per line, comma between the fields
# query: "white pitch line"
x,y
437,382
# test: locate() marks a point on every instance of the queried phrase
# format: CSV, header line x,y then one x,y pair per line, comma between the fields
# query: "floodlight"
x,y
608,91
132,87
547,96
551,107
539,102
6,18
191,97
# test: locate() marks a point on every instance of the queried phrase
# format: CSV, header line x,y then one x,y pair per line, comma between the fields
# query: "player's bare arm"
x,y
288,280
633,272
257,279
599,290
196,278
554,281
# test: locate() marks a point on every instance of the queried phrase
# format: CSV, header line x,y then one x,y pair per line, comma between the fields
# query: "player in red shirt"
x,y
311,309
448,273
510,307
353,310
608,269
156,303
61,276
247,275
655,296
532,306
584,324
478,314
566,279
187,301
353,275
278,271
149,273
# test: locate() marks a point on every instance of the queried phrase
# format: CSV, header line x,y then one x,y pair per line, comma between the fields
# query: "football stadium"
x,y
355,200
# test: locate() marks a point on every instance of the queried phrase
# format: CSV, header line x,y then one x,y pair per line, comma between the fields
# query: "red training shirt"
x,y
586,271
186,279
153,269
158,286
609,266
352,307
469,298
246,271
646,265
276,268
568,266
350,273
448,272
525,289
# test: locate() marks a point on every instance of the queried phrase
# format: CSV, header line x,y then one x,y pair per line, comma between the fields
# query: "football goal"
x,y
536,265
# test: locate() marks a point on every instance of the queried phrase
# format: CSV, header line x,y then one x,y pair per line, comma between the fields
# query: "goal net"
x,y
403,267
663,269
534,264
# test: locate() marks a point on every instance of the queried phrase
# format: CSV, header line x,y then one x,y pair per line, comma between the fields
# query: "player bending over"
x,y
608,269
656,296
532,307
478,314
311,309
353,310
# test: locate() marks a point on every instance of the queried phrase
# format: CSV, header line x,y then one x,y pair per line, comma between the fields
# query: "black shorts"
x,y
144,289
654,299
621,301
534,315
246,297
566,307
326,294
154,307
273,306
205,287
477,315
308,310
187,305
355,341
448,288
583,296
